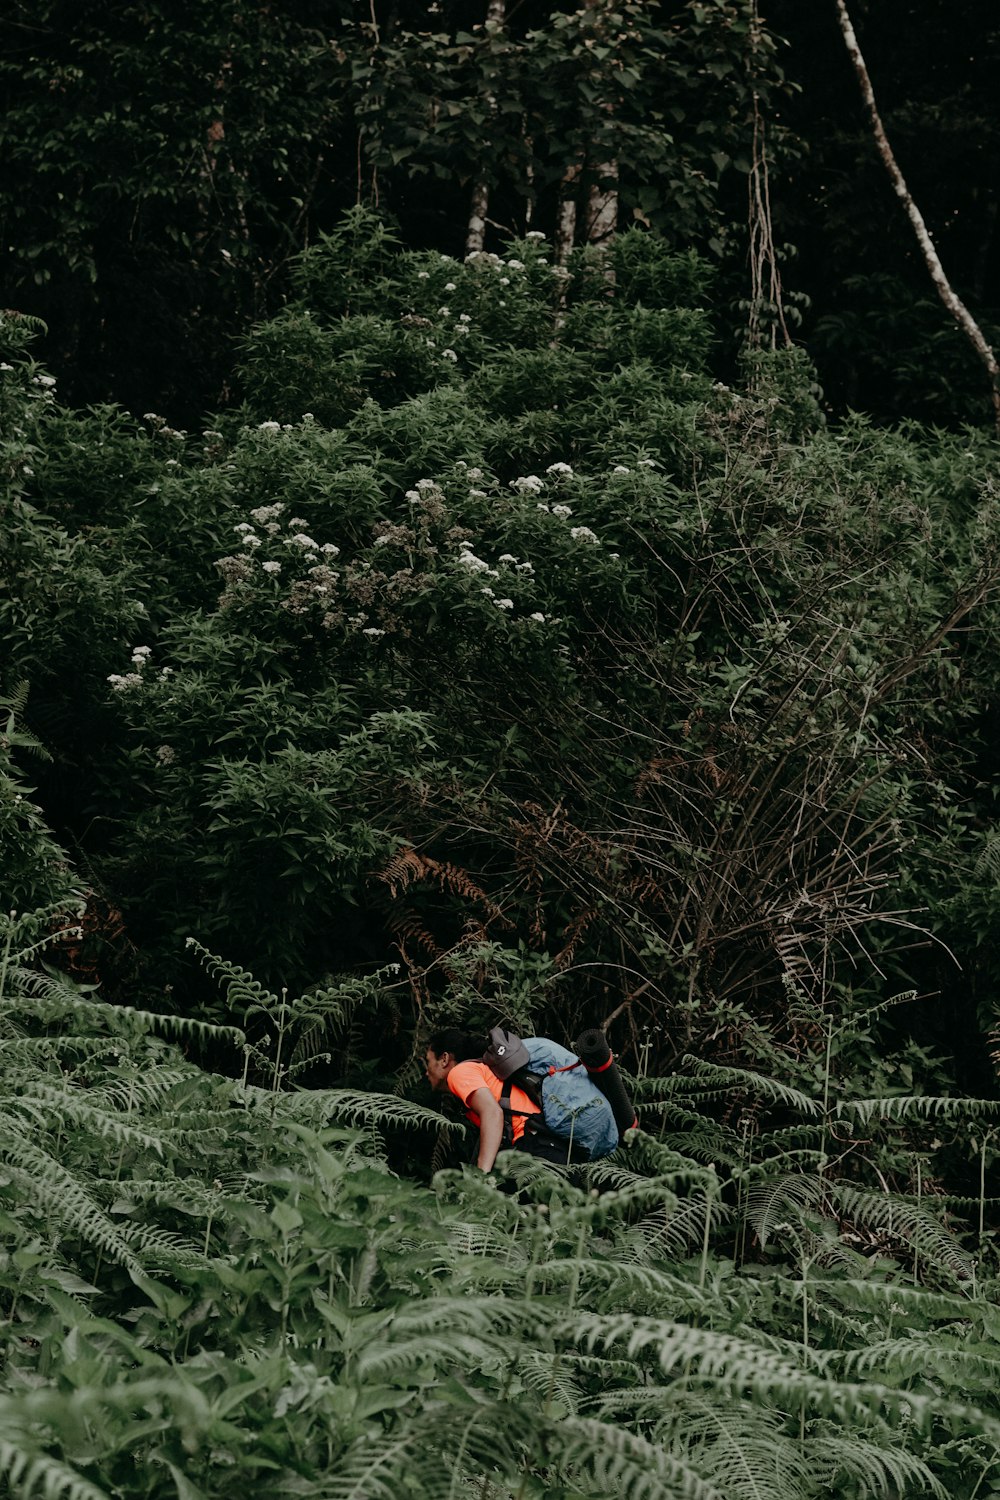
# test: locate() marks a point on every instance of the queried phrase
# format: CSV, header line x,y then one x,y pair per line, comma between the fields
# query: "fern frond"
x,y
711,1075
473,1238
884,1297
725,1365
31,1051
377,1470
988,859
242,989
880,1470
770,1204
348,1105
448,1351
162,1249
623,1463
152,1088
904,1221
679,1169
623,1284
673,1235
16,700
47,1105
64,999
916,1106
30,1473
187,1197
45,1182
544,1373
741,1448
923,1354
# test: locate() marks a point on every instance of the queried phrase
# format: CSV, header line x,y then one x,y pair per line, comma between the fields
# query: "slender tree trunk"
x,y
479,207
602,200
602,205
951,300
566,217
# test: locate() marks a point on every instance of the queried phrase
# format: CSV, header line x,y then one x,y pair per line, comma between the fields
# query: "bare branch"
x,y
948,296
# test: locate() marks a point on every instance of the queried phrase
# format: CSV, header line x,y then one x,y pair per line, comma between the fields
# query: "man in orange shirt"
x,y
454,1065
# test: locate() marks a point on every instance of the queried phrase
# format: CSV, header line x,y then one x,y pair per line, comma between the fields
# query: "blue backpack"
x,y
573,1108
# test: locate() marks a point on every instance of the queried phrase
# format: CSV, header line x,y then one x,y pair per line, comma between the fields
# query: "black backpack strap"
x,y
534,1125
507,1139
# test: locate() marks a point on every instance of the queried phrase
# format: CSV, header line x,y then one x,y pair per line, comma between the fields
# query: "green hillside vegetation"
x,y
490,657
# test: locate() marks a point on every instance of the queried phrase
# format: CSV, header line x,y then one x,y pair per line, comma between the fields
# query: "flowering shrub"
x,y
558,646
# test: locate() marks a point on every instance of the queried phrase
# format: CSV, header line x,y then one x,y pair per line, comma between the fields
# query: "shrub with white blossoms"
x,y
123,682
468,559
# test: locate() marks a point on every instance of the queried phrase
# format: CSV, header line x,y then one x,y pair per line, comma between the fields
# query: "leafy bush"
x,y
662,669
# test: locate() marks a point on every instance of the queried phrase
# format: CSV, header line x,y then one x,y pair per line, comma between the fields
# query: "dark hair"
x,y
459,1043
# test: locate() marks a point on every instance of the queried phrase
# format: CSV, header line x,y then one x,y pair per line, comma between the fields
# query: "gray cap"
x,y
505,1053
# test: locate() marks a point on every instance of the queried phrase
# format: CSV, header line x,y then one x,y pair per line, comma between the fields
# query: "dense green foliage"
x,y
215,1288
163,161
522,646
486,656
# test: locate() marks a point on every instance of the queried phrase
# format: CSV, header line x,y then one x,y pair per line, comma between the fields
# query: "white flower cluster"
x,y
559,469
528,484
468,559
583,534
45,381
267,515
123,682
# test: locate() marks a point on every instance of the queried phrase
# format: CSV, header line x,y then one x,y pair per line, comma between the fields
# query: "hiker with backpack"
x,y
531,1095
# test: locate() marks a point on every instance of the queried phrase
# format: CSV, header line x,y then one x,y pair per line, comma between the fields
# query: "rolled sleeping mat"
x,y
592,1049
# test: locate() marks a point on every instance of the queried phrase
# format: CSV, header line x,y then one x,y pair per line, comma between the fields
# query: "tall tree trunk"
x,y
951,300
602,200
479,207
602,205
565,234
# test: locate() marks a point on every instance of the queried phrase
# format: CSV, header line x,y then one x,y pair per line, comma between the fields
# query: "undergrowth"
x,y
213,1288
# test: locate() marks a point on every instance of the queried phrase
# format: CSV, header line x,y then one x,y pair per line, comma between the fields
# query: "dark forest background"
x,y
164,165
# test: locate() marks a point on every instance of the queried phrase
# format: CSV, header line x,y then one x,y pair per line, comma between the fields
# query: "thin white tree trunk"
x,y
951,300
566,215
479,207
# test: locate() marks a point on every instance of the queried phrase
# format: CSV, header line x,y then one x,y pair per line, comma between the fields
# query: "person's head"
x,y
445,1049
